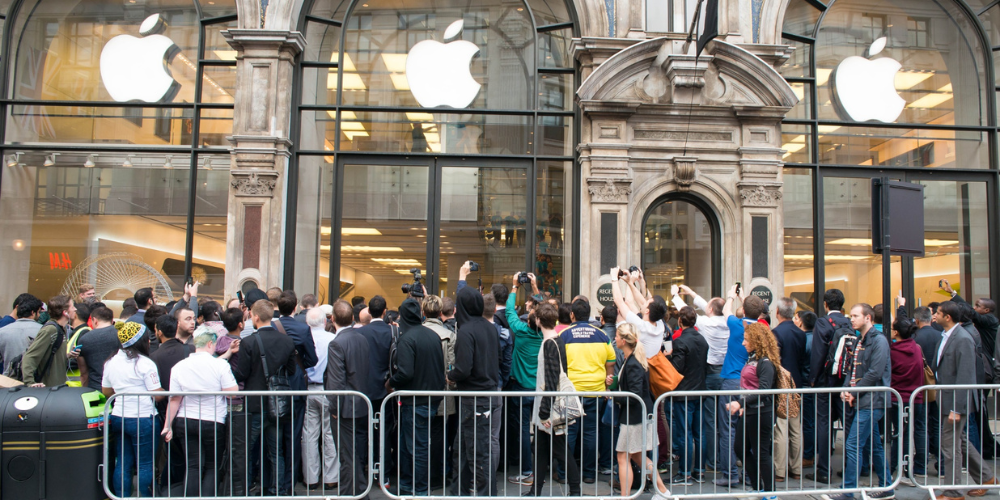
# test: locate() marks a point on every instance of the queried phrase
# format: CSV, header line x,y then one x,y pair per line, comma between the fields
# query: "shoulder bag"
x,y
663,377
277,406
788,403
929,396
567,408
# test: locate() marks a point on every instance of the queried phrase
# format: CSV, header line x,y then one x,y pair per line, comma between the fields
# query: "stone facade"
x,y
638,142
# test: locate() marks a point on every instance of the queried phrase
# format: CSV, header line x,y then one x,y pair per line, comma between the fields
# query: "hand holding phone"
x,y
739,288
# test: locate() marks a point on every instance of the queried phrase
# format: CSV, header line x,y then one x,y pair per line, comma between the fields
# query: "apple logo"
x,y
135,69
438,73
864,89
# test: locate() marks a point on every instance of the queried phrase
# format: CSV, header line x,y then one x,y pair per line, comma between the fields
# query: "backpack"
x,y
393,368
840,352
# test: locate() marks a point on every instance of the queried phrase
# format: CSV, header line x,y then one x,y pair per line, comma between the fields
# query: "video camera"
x,y
415,289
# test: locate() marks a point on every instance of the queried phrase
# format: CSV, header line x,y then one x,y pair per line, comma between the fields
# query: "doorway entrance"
x,y
680,246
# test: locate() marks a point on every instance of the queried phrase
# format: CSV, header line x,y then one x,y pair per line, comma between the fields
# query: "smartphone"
x,y
239,296
739,286
940,283
190,281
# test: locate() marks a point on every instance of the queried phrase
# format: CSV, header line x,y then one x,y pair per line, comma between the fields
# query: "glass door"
x,y
398,216
957,238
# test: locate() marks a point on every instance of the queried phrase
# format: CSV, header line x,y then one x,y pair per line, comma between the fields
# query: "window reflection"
x,y
554,210
798,244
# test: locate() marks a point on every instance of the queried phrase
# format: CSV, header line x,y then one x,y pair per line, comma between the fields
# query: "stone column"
x,y
260,154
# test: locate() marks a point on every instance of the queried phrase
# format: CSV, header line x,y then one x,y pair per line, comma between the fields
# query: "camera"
x,y
523,278
632,269
415,289
473,266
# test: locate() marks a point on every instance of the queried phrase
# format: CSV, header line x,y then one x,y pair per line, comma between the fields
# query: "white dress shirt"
x,y
322,339
944,339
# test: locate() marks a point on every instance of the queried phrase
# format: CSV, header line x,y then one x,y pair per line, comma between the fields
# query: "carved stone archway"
x,y
658,120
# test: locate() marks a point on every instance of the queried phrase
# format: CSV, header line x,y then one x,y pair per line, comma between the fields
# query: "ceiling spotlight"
x,y
90,161
50,160
14,159
168,163
128,161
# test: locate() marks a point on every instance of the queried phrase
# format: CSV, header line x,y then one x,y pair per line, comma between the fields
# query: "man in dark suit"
x,y
792,346
144,298
929,338
833,302
954,365
347,369
379,334
280,353
305,350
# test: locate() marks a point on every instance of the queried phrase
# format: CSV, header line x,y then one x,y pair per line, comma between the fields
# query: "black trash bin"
x,y
52,443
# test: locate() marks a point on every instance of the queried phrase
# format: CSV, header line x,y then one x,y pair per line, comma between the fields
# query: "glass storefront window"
x,y
895,147
86,73
798,216
313,226
956,242
677,248
554,211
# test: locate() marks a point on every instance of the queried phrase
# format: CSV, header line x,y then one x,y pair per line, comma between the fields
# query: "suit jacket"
x,y
304,345
249,369
928,338
347,369
379,337
987,325
792,346
957,367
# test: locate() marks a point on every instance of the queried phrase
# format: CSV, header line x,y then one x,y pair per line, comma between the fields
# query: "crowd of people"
x,y
507,338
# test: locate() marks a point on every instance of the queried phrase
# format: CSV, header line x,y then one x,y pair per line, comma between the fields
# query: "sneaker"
x,y
682,479
523,480
699,477
882,495
726,482
664,467
606,472
907,481
842,496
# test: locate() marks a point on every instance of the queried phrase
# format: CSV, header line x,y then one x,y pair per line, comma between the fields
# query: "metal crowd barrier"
x,y
442,437
242,446
742,445
948,443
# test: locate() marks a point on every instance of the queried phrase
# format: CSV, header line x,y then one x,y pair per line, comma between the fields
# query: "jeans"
x,y
973,432
710,444
414,447
607,457
135,445
204,446
918,420
686,421
589,436
727,432
864,430
934,433
262,426
808,426
519,423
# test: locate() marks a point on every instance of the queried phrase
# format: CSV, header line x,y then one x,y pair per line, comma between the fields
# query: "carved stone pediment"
x,y
609,190
725,74
254,182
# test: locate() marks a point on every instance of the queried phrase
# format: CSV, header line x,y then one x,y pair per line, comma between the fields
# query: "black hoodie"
x,y
417,342
477,346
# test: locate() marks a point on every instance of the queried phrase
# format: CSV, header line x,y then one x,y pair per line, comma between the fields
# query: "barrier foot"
x,y
864,494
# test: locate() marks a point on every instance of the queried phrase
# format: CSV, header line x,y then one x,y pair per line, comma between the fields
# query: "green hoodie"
x,y
527,342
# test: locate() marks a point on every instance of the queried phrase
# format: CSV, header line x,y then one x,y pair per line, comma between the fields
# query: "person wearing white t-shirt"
x,y
199,421
650,325
133,418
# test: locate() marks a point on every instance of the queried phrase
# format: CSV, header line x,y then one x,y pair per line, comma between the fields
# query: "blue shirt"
x,y
736,354
6,320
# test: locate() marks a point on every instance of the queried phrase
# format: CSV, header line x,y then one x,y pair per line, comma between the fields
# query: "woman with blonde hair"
x,y
634,378
756,429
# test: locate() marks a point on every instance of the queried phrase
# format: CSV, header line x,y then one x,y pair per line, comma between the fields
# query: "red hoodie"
x,y
907,369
